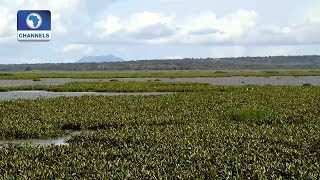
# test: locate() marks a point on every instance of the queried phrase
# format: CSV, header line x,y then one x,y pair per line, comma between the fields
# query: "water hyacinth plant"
x,y
204,132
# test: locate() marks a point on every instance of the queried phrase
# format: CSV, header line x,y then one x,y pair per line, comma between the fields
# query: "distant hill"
x,y
241,63
99,59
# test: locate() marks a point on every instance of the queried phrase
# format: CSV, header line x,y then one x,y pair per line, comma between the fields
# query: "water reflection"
x,y
40,142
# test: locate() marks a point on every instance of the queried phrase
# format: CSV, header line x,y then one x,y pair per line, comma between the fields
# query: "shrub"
x,y
256,116
306,84
36,79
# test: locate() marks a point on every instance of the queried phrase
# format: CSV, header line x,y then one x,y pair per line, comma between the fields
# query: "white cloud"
x,y
63,12
157,28
207,28
312,14
146,19
6,20
275,50
174,57
307,32
228,51
303,33
300,33
142,25
242,27
230,26
111,25
78,49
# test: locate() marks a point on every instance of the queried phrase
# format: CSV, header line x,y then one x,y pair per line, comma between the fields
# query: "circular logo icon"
x,y
34,20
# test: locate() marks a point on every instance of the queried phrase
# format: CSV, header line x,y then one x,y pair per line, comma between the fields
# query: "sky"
x,y
163,29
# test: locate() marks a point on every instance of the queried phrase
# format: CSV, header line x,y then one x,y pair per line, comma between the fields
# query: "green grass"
x,y
256,132
116,86
154,74
256,116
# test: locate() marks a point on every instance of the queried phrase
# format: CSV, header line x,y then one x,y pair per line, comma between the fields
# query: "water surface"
x,y
234,80
61,141
14,95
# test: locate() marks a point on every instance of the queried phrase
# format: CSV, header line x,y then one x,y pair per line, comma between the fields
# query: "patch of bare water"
x,y
61,141
14,95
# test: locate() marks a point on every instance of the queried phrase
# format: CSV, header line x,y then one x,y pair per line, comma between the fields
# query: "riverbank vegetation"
x,y
154,74
117,86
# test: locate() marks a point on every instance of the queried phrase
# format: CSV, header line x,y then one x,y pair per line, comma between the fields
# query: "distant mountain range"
x,y
99,59
107,63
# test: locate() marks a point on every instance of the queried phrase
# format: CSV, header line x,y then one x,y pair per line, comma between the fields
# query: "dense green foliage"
x,y
224,132
258,117
117,86
36,76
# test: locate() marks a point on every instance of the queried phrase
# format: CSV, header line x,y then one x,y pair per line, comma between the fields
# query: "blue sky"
x,y
151,29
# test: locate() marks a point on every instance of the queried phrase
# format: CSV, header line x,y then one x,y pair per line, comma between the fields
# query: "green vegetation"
x,y
115,86
220,64
243,132
153,74
255,116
